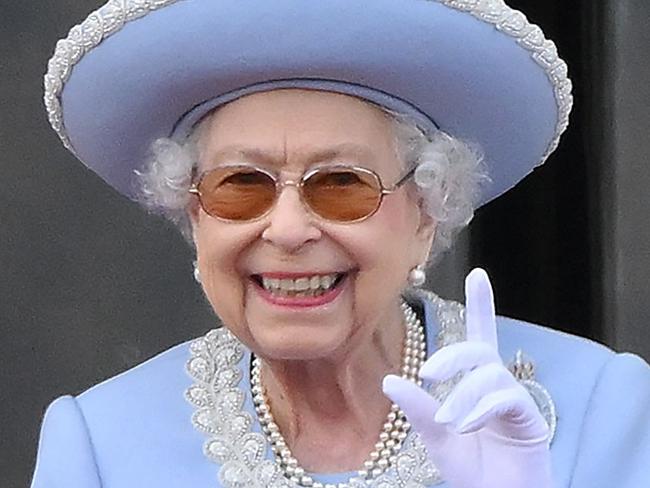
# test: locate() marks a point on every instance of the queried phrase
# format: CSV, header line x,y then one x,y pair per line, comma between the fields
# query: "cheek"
x,y
382,248
386,238
219,249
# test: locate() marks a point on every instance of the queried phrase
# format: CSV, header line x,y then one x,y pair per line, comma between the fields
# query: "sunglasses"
x,y
345,194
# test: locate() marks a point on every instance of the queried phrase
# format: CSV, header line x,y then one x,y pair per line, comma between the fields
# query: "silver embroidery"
x,y
219,400
82,38
112,16
543,51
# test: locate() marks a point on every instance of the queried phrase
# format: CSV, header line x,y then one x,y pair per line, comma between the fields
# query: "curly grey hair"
x,y
448,177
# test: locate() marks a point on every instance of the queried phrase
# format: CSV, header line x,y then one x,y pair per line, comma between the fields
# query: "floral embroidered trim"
x,y
241,452
111,17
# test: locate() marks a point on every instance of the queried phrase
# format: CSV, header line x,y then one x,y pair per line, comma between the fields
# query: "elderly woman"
x,y
313,153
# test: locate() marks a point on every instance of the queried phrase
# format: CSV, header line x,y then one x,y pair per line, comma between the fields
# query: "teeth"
x,y
270,283
305,286
302,284
287,284
326,281
314,282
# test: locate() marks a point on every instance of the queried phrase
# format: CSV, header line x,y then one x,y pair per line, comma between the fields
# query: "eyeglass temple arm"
x,y
401,181
194,187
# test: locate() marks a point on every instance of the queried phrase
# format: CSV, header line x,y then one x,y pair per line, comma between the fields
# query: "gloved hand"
x,y
488,433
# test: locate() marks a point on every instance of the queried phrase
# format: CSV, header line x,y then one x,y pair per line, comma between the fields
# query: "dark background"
x,y
90,285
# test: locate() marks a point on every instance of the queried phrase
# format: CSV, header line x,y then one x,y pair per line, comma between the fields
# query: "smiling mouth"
x,y
302,287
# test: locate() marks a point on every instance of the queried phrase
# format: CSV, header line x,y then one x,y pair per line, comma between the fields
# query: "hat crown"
x,y
115,15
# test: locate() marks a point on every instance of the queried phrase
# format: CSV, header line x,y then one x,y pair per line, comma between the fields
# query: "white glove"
x,y
488,433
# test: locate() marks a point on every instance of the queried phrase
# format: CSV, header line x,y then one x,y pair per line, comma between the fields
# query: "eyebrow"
x,y
313,156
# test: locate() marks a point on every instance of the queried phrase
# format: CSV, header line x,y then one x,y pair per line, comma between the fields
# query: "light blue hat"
x,y
138,70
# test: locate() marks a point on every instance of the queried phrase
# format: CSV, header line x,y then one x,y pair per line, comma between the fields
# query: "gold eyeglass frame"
x,y
299,184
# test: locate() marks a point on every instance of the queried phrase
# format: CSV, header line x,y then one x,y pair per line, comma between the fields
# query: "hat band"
x,y
184,126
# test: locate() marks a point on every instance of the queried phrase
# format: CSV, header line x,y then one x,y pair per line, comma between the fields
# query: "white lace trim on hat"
x,y
111,17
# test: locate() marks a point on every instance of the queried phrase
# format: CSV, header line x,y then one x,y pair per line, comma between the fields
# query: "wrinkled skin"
x,y
323,366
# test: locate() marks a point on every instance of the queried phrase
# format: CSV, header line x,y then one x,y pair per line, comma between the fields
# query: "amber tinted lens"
x,y
342,194
236,193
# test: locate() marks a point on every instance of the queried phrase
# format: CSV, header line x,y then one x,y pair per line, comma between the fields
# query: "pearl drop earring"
x,y
197,274
417,276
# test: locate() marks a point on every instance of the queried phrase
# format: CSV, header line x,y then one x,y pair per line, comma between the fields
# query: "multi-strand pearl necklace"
x,y
393,433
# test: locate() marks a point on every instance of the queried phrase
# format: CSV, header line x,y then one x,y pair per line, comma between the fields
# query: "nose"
x,y
290,225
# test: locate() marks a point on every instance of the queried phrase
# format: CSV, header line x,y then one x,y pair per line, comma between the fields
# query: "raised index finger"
x,y
479,308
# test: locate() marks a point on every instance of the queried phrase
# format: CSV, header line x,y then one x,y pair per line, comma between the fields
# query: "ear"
x,y
193,213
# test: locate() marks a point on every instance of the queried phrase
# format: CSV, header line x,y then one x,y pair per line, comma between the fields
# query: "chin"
x,y
298,342
286,329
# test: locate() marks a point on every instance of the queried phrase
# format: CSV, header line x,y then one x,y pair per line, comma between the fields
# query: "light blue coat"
x,y
134,430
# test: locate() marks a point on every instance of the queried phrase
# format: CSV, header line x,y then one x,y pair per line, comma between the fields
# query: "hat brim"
x,y
498,84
